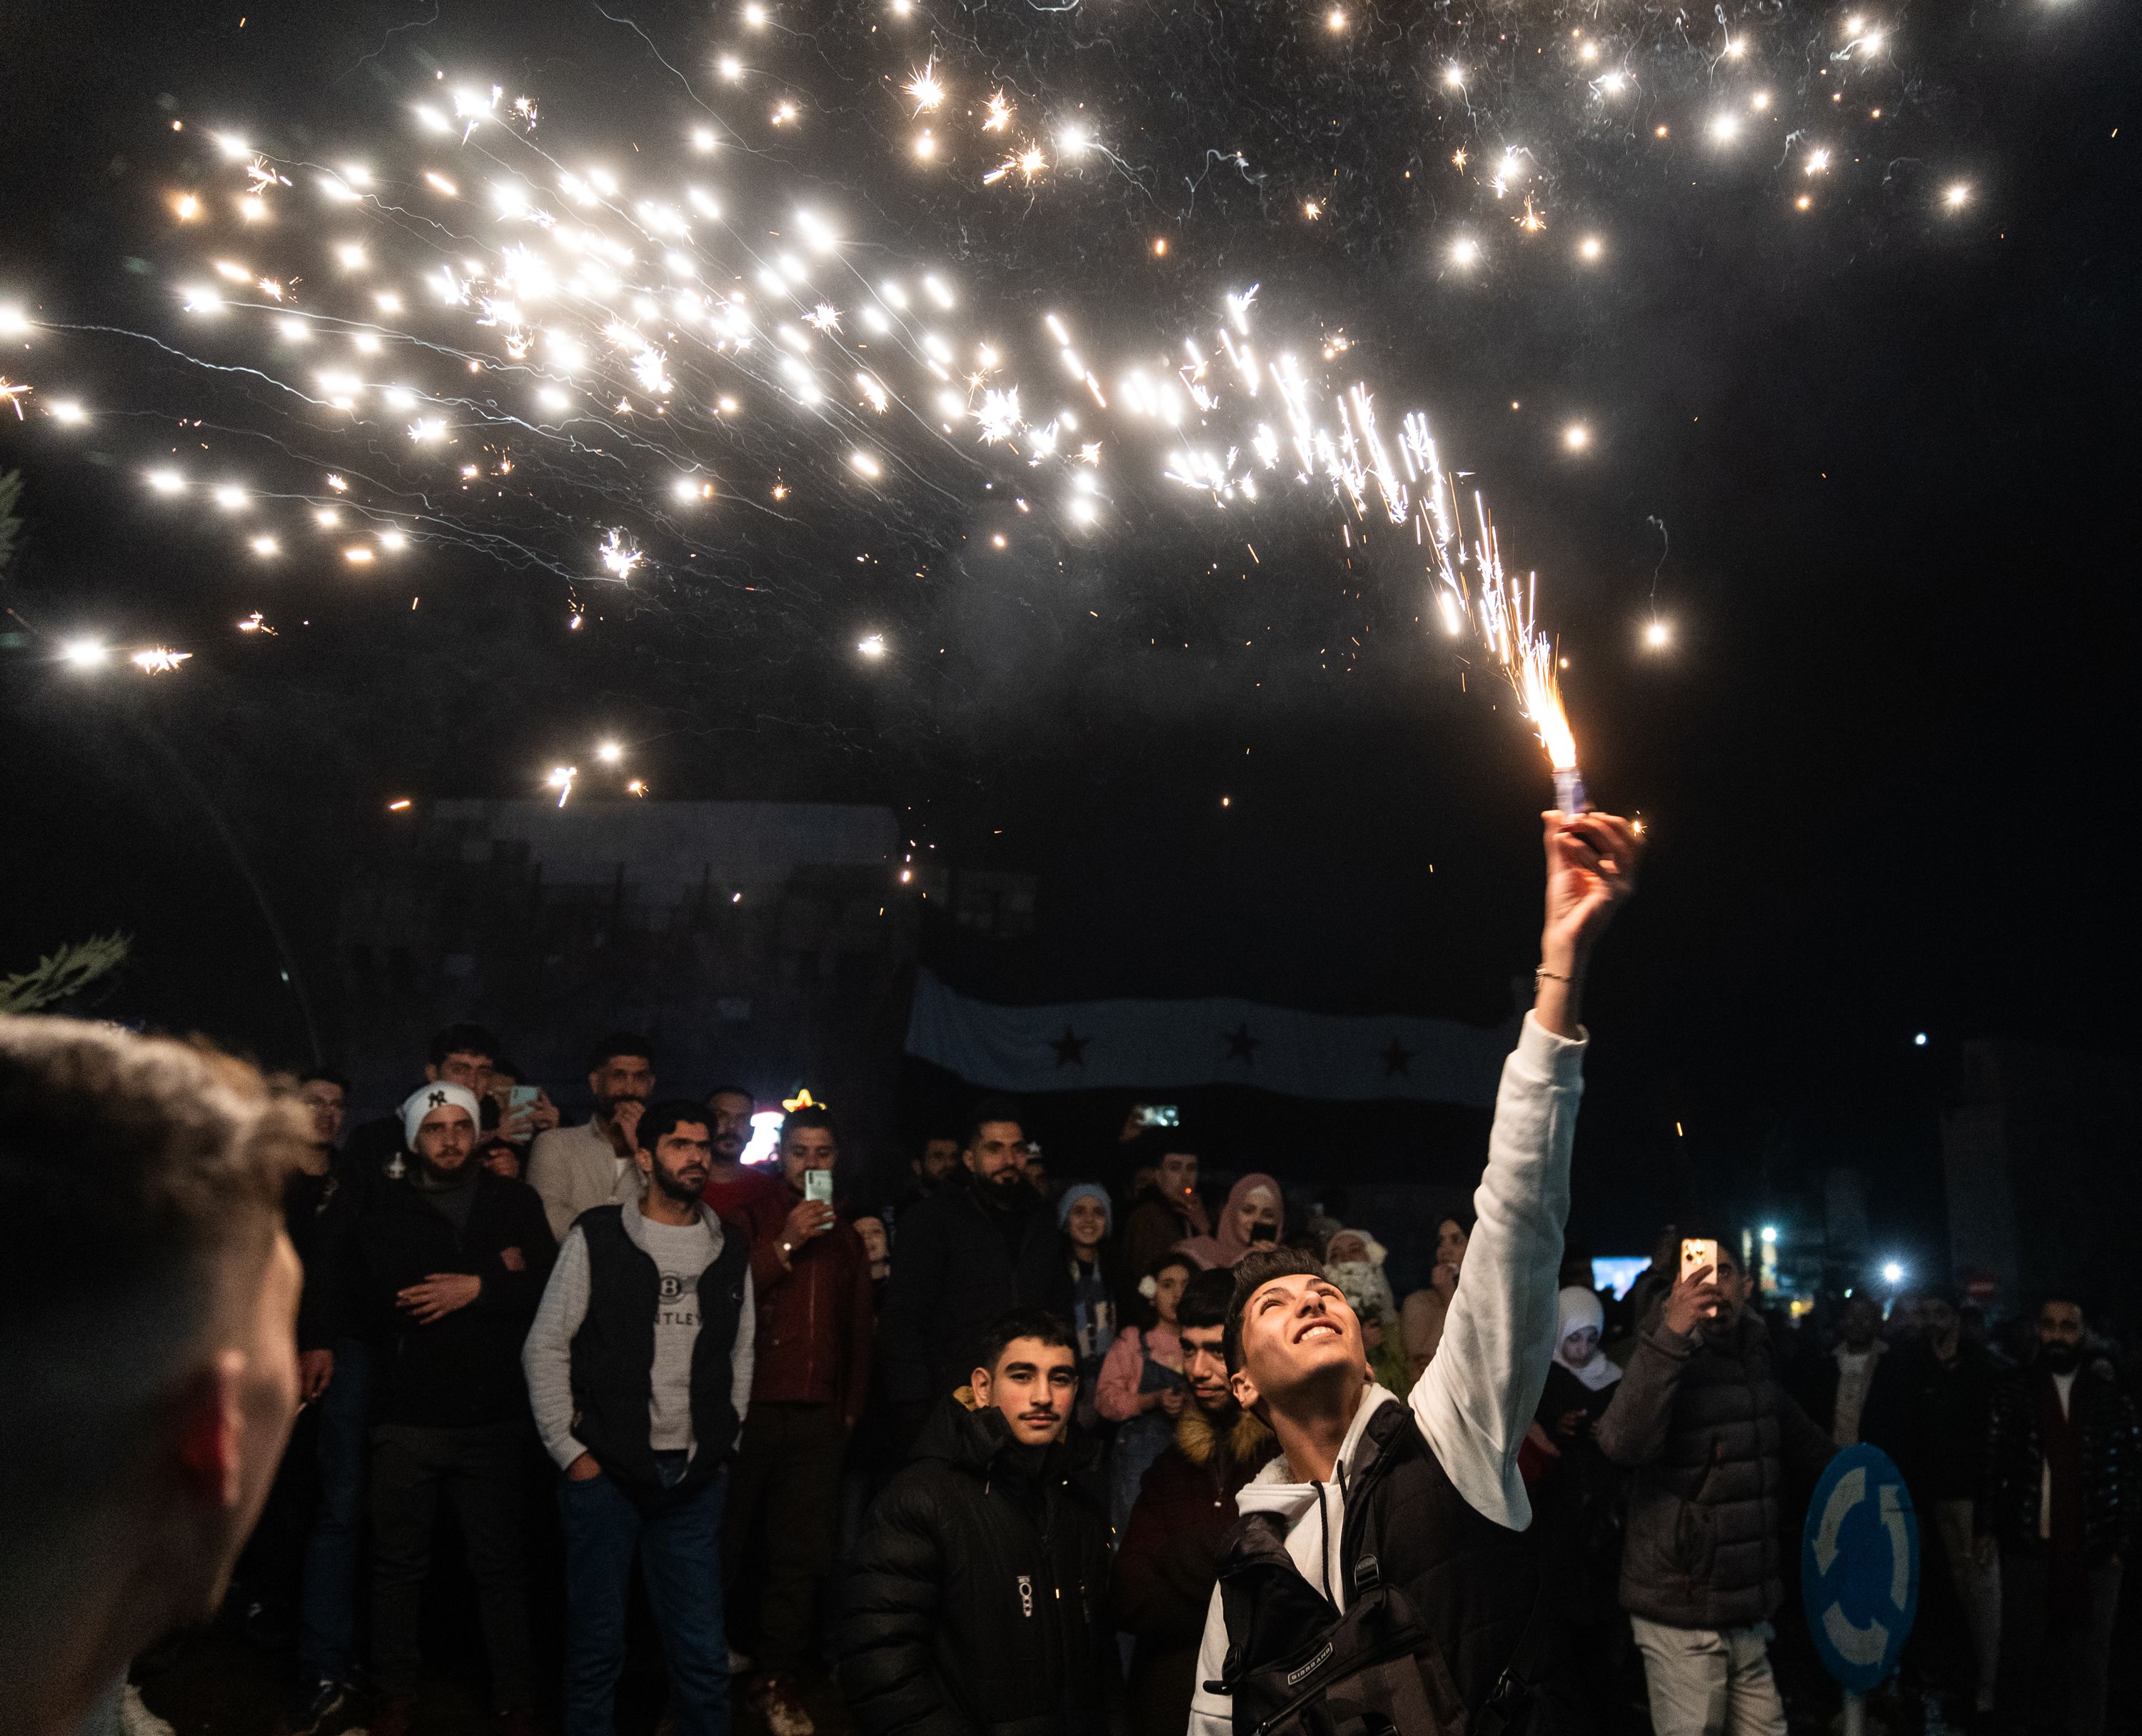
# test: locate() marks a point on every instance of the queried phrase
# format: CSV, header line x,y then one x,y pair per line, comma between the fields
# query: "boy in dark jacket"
x,y
1701,1418
445,1267
974,1599
1169,1559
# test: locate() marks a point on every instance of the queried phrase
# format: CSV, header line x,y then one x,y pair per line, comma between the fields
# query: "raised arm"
x,y
1476,1399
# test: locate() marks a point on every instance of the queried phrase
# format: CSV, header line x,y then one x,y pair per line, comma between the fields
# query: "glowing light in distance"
x,y
609,752
1759,102
1334,20
185,207
1072,140
1892,1272
266,546
755,15
1955,195
351,254
926,146
229,496
438,181
1613,83
1919,1040
67,411
1770,1234
1658,635
873,646
926,88
1453,76
1083,511
357,555
1590,248
867,465
161,660
1736,47
1464,252
703,138
167,481
1725,128
1577,437
730,67
13,321
86,653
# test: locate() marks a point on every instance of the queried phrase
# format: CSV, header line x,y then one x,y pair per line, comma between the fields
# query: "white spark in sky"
x,y
620,555
926,88
998,416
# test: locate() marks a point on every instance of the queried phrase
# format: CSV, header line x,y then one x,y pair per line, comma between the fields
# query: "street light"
x,y
1892,1273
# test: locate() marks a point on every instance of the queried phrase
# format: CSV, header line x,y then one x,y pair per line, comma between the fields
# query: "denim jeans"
x,y
327,1632
679,1546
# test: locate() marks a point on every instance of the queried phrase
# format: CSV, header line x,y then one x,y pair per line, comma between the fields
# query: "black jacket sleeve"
x,y
1634,1430
903,1325
528,1228
889,1607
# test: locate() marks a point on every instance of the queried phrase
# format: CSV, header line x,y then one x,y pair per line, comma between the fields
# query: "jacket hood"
x,y
1199,1441
1274,1489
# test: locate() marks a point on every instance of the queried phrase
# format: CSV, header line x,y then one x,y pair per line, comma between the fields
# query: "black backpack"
x,y
1376,1670
1379,1669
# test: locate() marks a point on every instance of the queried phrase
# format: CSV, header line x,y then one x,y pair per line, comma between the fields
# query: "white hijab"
x,y
1581,1308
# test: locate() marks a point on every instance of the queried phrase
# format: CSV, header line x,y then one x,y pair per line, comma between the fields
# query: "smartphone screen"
x,y
818,1185
1698,1251
520,1099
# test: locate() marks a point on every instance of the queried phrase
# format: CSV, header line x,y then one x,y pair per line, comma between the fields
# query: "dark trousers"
x,y
786,1488
479,1470
326,1606
2051,1679
679,1547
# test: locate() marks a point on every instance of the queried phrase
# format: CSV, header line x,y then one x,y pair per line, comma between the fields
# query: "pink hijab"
x,y
1222,1251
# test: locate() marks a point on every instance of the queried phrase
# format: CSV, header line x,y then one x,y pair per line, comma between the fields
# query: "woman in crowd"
x,y
1253,1217
1085,1216
1354,1260
1141,1387
1422,1318
1578,1513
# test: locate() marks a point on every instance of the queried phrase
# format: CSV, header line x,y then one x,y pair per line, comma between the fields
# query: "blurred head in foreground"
x,y
147,1348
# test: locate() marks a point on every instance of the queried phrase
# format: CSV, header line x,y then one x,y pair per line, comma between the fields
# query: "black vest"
x,y
1469,1582
613,1354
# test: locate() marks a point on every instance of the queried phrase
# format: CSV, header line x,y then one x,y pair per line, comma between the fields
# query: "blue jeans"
x,y
326,1633
680,1559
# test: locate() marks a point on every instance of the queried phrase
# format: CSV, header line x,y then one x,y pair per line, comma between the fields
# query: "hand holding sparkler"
x,y
1591,861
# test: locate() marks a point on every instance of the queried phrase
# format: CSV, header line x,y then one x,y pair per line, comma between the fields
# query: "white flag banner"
x,y
1159,1045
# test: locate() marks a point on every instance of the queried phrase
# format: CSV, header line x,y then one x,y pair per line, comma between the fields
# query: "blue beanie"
x,y
1086,1190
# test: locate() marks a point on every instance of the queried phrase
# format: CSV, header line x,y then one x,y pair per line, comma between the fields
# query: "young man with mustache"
x,y
975,1597
1382,1558
639,1368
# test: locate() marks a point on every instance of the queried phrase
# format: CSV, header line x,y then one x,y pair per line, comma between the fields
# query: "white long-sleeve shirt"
x,y
546,1357
1476,1399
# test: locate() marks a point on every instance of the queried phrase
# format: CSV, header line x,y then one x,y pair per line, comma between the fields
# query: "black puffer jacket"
x,y
1709,1431
975,1601
2112,1470
961,1262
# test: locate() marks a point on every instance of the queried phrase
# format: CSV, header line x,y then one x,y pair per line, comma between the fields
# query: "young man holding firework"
x,y
1381,1559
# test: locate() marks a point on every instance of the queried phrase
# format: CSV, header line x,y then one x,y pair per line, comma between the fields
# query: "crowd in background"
x,y
616,1344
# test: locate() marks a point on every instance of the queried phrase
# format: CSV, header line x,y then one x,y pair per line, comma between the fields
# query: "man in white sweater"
x,y
640,1370
1414,1509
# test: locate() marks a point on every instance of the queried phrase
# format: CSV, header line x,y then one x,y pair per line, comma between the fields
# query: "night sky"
x,y
1872,462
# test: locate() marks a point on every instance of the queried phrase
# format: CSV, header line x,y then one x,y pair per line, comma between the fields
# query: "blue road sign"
x,y
1859,1567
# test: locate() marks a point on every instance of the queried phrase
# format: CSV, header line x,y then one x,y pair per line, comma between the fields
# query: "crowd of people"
x,y
1007,1453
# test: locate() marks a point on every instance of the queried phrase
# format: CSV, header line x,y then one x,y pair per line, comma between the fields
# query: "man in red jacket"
x,y
811,1275
1170,1557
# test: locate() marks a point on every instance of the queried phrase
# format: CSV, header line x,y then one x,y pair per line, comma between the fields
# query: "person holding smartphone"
x,y
816,1311
1703,1420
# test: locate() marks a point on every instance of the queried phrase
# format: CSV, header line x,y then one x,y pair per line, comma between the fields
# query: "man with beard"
x,y
445,1267
639,1367
2065,1496
810,1381
574,1168
752,1198
981,1247
976,1596
1169,1560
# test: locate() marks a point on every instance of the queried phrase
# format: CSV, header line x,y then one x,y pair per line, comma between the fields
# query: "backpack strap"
x,y
1515,1689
